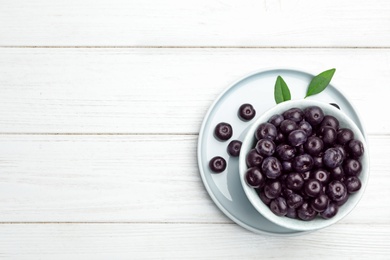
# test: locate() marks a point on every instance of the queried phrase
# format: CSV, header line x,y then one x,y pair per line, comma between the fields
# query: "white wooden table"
x,y
101,103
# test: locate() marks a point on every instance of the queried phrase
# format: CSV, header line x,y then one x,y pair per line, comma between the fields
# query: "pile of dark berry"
x,y
303,164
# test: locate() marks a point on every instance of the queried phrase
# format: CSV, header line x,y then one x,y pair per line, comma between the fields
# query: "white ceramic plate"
x,y
257,89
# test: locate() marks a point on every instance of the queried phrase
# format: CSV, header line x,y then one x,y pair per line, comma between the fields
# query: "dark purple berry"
x,y
294,181
297,137
313,187
294,114
253,158
223,131
234,148
287,126
306,175
271,167
341,149
266,131
353,184
291,213
314,145
306,127
276,120
314,115
320,175
343,200
332,158
273,189
278,206
300,150
320,203
265,147
352,167
217,164
285,152
330,211
246,112
355,148
344,135
336,191
302,163
286,192
337,173
306,212
328,134
318,161
294,200
286,166
330,121
254,178
280,138
263,198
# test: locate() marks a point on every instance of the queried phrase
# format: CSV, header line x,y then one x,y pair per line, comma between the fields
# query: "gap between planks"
x,y
185,47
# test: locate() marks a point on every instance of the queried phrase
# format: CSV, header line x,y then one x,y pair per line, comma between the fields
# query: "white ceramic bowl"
x,y
318,222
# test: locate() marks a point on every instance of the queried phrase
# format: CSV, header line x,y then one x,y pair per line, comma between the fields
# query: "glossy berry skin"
x,y
285,152
352,167
265,147
288,126
286,166
254,178
291,213
294,181
223,131
273,189
336,191
234,148
318,161
278,206
313,187
320,203
306,127
280,138
330,121
266,131
320,175
314,115
302,163
332,158
271,167
314,145
263,198
343,200
294,114
344,135
306,175
330,211
328,134
217,164
353,184
253,158
337,173
286,192
306,212
246,112
276,120
355,148
294,200
341,149
297,138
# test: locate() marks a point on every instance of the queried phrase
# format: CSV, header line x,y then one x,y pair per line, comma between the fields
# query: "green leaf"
x,y
282,93
320,82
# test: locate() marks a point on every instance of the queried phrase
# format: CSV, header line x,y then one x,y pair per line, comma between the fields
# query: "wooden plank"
x,y
189,241
161,90
137,178
264,23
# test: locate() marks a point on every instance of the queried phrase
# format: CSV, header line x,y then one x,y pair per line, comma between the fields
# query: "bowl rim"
x,y
300,225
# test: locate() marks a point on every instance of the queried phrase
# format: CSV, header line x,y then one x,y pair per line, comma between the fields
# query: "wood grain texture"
x,y
162,90
132,179
267,23
189,241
